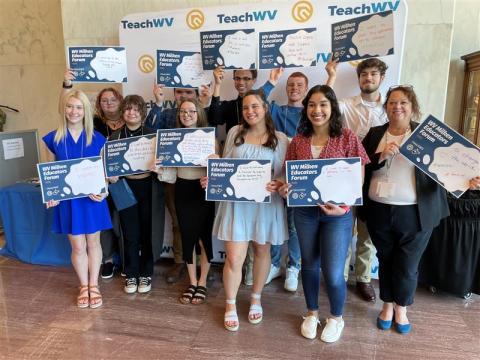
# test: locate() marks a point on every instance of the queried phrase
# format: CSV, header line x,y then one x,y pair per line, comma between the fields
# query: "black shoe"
x,y
107,270
144,284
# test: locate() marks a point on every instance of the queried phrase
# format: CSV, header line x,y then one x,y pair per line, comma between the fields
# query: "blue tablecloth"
x,y
27,227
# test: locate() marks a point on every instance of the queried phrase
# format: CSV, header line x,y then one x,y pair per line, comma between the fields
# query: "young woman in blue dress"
x,y
81,219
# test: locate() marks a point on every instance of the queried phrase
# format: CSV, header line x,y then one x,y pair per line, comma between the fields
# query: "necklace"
x,y
80,138
136,132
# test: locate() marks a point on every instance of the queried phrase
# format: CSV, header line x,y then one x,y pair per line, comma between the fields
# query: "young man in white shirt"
x,y
360,113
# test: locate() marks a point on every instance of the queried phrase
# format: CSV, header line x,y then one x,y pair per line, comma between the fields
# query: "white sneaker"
x,y
274,273
333,330
309,327
248,279
130,285
291,279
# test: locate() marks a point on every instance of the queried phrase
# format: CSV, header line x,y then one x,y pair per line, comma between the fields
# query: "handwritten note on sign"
x,y
443,154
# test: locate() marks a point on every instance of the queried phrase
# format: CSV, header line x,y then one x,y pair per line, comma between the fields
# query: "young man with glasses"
x,y
360,113
229,112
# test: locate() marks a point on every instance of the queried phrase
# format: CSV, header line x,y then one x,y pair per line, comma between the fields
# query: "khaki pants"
x,y
364,253
177,239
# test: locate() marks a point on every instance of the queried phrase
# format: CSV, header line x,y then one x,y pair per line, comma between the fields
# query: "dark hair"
x,y
411,96
305,127
272,140
298,74
98,107
253,72
372,63
201,116
196,90
134,100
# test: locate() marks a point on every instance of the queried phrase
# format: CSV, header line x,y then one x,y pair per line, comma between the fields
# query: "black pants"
x,y
396,233
137,230
195,218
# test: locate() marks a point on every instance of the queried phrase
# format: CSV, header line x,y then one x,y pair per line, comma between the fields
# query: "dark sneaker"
x,y
107,270
144,284
130,285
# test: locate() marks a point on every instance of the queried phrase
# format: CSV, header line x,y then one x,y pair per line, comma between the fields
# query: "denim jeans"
x,y
324,242
292,243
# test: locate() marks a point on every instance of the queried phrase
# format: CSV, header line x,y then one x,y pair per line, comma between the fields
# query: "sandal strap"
x,y
231,301
202,290
256,296
231,316
189,292
255,309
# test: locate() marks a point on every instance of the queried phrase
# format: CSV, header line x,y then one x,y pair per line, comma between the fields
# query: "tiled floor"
x,y
38,320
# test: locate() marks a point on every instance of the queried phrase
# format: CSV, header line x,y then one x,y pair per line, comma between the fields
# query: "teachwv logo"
x,y
195,19
247,17
302,11
372,8
148,23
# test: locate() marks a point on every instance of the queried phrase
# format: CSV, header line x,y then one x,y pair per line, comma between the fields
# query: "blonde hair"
x,y
87,119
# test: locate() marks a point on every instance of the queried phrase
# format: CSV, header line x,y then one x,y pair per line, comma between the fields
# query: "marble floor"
x,y
38,320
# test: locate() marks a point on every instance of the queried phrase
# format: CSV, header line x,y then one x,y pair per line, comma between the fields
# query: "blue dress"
x,y
259,222
82,215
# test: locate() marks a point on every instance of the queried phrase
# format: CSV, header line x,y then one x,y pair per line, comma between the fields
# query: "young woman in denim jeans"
x,y
324,231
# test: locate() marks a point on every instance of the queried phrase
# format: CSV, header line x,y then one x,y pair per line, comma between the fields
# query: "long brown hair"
x,y
272,140
201,116
98,108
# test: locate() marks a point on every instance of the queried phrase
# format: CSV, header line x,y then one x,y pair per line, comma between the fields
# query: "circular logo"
x,y
355,63
195,19
302,11
146,64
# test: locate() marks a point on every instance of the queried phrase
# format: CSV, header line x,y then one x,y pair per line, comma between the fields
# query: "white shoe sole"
x,y
143,290
130,291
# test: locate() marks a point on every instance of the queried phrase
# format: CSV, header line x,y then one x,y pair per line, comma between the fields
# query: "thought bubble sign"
x,y
238,50
140,154
298,49
86,177
250,181
110,65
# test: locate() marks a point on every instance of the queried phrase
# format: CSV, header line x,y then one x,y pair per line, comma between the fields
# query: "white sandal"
x,y
255,309
231,316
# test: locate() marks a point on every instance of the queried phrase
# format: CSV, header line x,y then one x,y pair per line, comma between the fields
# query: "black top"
x,y
125,132
225,112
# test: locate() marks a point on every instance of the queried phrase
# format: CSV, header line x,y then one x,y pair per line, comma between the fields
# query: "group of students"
x,y
401,204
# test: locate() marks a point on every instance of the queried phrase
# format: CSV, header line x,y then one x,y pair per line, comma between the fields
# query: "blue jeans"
x,y
293,245
324,242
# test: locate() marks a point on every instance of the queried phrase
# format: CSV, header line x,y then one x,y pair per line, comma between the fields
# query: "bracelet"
x,y
67,86
346,208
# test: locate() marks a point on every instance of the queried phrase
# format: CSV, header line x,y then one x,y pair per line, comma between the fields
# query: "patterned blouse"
x,y
343,146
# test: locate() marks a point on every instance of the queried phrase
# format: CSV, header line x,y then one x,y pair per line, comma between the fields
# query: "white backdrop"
x,y
143,33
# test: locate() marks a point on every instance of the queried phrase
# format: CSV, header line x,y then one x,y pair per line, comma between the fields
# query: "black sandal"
x,y
187,296
200,295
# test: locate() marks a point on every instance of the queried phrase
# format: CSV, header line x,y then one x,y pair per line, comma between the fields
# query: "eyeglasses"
x,y
405,86
187,112
244,78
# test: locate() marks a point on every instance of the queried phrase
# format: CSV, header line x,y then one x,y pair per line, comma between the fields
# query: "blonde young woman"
x,y
81,219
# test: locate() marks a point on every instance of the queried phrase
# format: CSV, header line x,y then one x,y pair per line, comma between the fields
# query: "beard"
x,y
369,89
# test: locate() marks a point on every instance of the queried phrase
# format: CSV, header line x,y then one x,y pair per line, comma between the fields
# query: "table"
x,y
27,225
451,261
